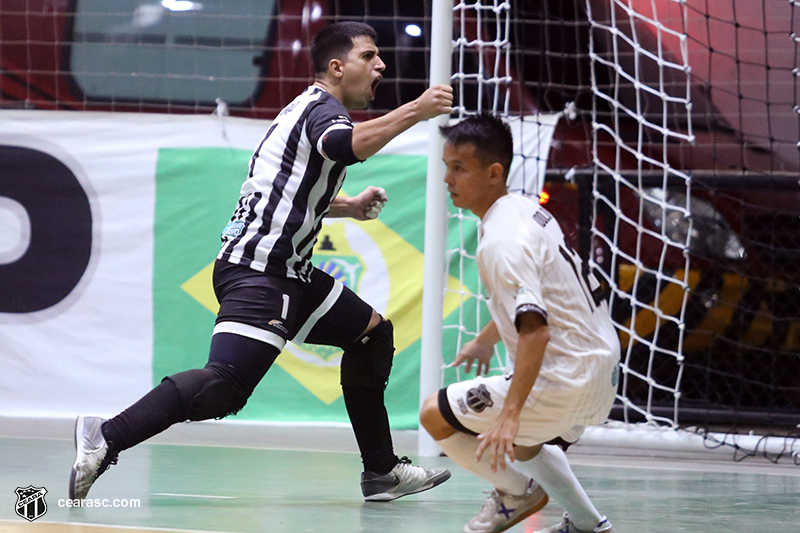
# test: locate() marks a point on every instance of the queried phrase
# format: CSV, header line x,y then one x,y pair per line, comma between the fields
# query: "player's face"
x,y
361,73
467,178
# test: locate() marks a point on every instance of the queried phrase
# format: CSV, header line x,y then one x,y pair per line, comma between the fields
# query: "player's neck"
x,y
480,212
330,88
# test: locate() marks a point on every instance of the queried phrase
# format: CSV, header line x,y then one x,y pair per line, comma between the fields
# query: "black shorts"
x,y
275,309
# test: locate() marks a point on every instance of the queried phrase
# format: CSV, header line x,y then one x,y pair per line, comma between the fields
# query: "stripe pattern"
x,y
288,191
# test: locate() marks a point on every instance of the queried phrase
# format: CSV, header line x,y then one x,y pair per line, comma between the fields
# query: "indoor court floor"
x,y
244,478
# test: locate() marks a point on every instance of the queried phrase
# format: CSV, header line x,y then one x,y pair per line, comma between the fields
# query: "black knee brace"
x,y
210,392
368,361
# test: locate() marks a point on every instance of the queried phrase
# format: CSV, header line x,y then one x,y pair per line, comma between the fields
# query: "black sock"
x,y
155,412
371,427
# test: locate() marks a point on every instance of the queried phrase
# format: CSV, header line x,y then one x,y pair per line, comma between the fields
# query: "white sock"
x,y
550,468
461,448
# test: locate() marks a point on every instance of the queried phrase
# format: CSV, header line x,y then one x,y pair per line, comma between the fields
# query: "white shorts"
x,y
550,412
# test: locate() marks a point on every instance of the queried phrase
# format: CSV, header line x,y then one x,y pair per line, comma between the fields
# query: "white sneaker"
x,y
404,479
604,526
500,511
92,456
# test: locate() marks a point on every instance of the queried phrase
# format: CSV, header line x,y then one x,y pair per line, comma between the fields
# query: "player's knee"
x,y
430,416
210,392
368,361
526,453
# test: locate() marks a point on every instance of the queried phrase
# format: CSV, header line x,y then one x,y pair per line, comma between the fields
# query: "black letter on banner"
x,y
60,233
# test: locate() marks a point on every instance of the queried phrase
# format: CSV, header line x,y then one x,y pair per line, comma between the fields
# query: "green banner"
x,y
381,260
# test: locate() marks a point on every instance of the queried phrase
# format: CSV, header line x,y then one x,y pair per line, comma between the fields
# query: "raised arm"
x,y
372,135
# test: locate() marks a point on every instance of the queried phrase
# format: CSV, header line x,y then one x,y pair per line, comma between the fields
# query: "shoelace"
x,y
104,465
418,473
405,461
494,497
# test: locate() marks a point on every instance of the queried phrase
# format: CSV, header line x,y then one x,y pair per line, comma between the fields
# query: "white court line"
x,y
14,526
691,465
194,496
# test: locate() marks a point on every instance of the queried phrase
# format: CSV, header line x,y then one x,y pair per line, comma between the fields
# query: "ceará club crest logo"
x,y
30,502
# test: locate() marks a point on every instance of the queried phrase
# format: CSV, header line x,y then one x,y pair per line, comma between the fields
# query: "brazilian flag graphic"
x,y
381,260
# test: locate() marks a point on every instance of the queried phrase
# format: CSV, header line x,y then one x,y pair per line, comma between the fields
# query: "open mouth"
x,y
375,84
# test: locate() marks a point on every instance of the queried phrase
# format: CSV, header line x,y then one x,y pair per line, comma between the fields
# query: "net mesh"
x,y
658,80
673,165
483,82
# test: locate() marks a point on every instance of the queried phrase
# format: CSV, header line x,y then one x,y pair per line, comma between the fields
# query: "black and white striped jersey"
x,y
292,181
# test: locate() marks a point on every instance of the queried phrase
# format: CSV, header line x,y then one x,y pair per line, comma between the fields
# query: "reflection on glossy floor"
x,y
233,489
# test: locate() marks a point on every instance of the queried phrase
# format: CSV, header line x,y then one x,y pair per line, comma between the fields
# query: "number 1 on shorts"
x,y
285,310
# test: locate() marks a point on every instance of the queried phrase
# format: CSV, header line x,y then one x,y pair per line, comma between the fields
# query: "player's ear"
x,y
336,67
496,172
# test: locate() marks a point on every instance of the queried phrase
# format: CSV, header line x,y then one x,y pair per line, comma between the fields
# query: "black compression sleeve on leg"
x,y
365,406
153,413
249,358
163,406
368,361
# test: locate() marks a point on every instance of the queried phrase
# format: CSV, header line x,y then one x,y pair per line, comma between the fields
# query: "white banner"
x,y
90,352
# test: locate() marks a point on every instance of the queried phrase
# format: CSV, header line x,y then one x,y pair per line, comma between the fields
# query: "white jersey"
x,y
527,266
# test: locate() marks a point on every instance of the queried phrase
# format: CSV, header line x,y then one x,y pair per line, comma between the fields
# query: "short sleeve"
x,y
330,131
515,271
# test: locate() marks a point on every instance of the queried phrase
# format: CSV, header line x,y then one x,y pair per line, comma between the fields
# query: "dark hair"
x,y
336,41
490,135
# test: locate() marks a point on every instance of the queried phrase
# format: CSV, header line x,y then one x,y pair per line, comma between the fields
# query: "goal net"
x,y
673,145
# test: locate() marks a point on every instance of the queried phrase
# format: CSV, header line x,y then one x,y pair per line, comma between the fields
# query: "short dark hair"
x,y
490,135
336,41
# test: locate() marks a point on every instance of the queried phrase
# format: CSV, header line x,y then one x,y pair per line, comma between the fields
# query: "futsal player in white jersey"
x,y
268,290
562,348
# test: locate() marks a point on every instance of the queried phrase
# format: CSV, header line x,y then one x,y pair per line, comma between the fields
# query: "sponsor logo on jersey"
x,y
30,502
523,290
233,229
542,217
479,398
462,406
277,324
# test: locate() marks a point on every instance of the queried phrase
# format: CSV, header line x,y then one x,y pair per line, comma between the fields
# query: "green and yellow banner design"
x,y
381,260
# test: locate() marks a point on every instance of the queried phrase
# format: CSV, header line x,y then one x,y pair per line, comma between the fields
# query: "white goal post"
x,y
435,223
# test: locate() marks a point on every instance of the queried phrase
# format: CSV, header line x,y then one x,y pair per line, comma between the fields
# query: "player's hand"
x,y
435,101
498,440
475,352
368,204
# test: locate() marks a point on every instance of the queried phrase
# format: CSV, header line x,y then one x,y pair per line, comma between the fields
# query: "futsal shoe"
x,y
500,511
93,455
604,526
404,479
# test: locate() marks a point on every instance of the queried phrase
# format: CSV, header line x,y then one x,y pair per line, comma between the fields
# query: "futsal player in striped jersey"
x,y
562,348
268,290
